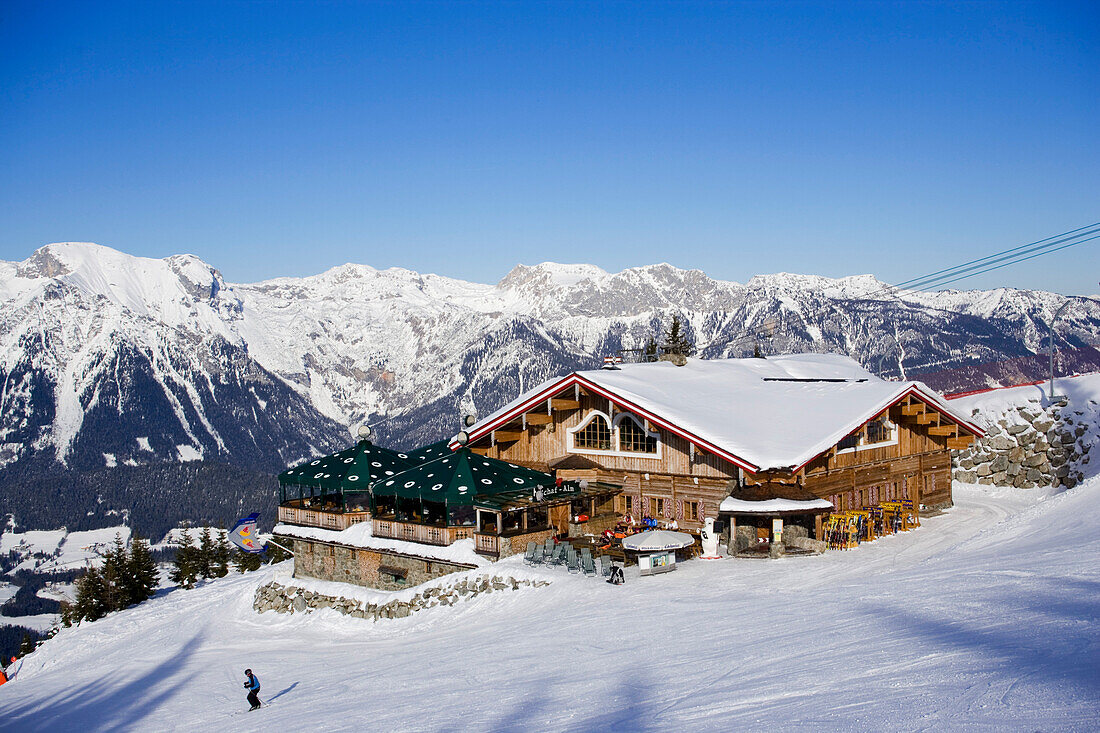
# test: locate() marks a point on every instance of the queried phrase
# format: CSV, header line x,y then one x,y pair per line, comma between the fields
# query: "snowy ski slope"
x,y
986,618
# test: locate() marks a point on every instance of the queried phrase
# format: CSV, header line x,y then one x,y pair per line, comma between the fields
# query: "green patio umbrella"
x,y
428,452
349,471
456,478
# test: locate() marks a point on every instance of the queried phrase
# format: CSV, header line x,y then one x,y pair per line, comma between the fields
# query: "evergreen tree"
x,y
115,569
205,556
68,615
676,341
276,554
91,596
219,564
247,561
185,569
27,646
142,576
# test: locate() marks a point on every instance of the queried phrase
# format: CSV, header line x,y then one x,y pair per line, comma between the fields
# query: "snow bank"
x,y
730,504
982,618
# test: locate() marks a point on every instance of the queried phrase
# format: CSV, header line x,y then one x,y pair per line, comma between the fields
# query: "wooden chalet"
x,y
679,440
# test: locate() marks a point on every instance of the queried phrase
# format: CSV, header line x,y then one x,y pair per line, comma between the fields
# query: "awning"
x,y
352,469
568,491
457,478
731,505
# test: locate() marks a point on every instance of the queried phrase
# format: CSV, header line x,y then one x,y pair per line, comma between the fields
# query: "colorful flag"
x,y
244,534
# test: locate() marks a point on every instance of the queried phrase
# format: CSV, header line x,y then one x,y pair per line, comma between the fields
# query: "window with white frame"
x,y
879,431
625,435
595,435
633,438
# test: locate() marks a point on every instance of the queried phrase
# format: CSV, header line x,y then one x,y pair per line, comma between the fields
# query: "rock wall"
x,y
293,599
1029,445
366,567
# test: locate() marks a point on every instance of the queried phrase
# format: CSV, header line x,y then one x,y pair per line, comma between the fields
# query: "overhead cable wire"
x,y
965,270
1024,259
924,283
995,254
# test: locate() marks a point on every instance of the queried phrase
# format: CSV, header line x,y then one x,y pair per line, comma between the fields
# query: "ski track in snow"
x,y
984,618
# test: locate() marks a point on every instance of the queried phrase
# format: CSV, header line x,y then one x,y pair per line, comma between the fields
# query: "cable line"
x,y
962,271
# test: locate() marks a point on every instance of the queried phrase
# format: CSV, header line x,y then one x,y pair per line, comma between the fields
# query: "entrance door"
x,y
559,518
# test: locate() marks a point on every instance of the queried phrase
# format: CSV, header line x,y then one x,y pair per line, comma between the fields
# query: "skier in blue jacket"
x,y
253,685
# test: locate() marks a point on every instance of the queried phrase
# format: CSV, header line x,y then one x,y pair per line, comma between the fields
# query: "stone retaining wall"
x,y
366,567
293,599
1029,446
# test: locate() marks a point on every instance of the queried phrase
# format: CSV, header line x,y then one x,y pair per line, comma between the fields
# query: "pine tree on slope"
x,y
185,569
114,572
205,556
219,563
676,341
142,577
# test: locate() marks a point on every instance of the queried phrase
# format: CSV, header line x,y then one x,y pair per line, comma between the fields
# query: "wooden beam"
x,y
538,418
508,436
480,451
960,443
942,430
927,418
914,409
563,404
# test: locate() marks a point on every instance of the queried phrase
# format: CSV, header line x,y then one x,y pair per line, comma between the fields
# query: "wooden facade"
x,y
678,482
685,482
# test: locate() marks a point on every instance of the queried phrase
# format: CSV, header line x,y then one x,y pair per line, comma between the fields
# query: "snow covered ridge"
x,y
58,550
263,374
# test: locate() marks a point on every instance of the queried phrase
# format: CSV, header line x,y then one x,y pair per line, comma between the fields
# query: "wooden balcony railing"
x,y
487,544
323,519
421,533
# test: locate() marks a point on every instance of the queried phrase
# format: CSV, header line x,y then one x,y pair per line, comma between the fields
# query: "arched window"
x,y
596,435
633,438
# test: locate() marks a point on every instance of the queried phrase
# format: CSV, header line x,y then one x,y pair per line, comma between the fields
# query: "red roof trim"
x,y
913,390
519,409
577,379
668,426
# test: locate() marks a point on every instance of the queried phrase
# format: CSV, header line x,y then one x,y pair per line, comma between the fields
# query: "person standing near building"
x,y
252,683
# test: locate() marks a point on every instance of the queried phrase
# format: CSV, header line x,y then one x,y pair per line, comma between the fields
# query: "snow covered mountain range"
x,y
141,382
109,359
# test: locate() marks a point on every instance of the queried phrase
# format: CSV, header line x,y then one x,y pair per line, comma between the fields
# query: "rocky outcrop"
x,y
1030,445
294,599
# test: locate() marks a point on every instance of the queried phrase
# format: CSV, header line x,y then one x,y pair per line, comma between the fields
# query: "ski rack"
x,y
846,530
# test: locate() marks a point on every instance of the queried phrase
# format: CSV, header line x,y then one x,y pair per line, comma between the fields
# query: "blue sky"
x,y
737,138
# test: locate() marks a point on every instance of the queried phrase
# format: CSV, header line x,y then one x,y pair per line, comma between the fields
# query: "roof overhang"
x,y
479,432
912,391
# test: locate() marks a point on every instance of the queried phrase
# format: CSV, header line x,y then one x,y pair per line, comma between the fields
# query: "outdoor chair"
x,y
538,556
559,554
605,566
529,556
588,565
549,546
572,564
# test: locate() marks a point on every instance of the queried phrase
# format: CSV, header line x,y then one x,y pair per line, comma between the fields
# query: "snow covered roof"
x,y
772,506
774,413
